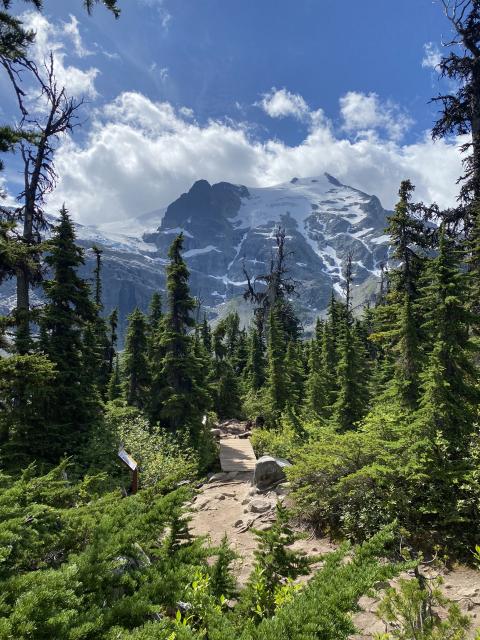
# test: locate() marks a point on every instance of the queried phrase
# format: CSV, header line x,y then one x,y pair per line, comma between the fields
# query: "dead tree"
x,y
347,282
53,116
274,287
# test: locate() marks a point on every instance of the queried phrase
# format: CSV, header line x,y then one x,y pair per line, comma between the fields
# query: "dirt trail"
x,y
229,504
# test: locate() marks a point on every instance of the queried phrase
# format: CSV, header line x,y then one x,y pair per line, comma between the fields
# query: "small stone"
x,y
238,523
217,476
260,505
466,605
381,584
228,494
221,497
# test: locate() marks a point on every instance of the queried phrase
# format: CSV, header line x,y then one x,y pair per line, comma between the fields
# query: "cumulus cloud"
x,y
54,38
432,56
280,103
141,155
365,114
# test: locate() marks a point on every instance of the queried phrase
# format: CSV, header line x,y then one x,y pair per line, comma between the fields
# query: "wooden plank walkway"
x,y
237,455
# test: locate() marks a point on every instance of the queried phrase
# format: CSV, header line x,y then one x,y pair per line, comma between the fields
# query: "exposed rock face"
x,y
269,470
227,227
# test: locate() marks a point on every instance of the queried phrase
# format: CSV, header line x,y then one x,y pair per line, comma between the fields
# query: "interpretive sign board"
x,y
127,459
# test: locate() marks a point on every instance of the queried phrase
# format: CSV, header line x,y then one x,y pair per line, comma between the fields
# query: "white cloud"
x,y
141,155
163,13
432,56
365,114
280,103
162,73
54,38
71,30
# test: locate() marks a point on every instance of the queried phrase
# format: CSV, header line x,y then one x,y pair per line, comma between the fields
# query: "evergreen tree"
x,y
276,376
184,397
450,394
136,367
294,375
255,373
316,395
155,315
115,383
352,396
73,406
112,321
402,334
96,334
227,403
206,334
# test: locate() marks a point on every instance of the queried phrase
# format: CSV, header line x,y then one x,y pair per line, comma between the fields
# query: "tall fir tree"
x,y
136,366
276,383
450,393
184,395
294,375
255,370
73,406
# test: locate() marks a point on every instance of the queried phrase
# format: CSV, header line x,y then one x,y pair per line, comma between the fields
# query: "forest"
x,y
376,409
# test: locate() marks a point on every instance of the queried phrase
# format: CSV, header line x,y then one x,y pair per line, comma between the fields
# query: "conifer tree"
x,y
294,375
184,397
154,327
352,395
315,396
402,335
206,334
73,405
136,367
115,383
255,373
227,401
276,375
96,334
112,321
450,394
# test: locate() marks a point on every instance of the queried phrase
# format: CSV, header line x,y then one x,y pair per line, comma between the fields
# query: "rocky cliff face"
x,y
228,227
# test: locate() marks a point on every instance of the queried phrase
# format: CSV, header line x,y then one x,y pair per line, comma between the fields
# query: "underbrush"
x,y
83,563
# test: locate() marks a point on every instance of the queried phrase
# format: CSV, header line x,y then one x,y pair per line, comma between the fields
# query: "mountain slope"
x,y
230,227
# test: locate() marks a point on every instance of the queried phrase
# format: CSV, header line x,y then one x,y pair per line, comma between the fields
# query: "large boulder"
x,y
269,470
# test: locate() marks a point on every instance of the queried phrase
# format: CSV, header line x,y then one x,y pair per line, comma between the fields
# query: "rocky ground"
x,y
229,504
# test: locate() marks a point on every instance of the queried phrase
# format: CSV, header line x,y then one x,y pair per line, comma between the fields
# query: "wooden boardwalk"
x,y
236,455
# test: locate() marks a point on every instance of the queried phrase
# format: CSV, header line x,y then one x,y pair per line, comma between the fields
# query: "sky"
x,y
254,92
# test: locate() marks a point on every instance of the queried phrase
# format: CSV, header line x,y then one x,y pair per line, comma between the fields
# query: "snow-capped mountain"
x,y
228,227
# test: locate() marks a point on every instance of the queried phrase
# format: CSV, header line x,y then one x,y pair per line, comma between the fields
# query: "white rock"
x,y
260,505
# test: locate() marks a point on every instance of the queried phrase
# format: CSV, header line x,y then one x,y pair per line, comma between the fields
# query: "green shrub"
x,y
161,457
411,610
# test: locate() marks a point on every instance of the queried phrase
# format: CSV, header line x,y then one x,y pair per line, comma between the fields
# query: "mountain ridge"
x,y
228,228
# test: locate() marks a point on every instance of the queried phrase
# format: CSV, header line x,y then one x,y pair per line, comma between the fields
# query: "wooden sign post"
x,y
132,465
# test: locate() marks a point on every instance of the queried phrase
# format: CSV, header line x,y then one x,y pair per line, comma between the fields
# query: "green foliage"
x,y
411,610
65,323
183,393
222,581
77,564
163,459
275,565
136,367
26,383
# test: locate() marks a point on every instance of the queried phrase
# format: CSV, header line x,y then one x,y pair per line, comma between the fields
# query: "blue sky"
x,y
252,92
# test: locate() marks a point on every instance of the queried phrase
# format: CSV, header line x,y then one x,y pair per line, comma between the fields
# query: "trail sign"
x,y
132,465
